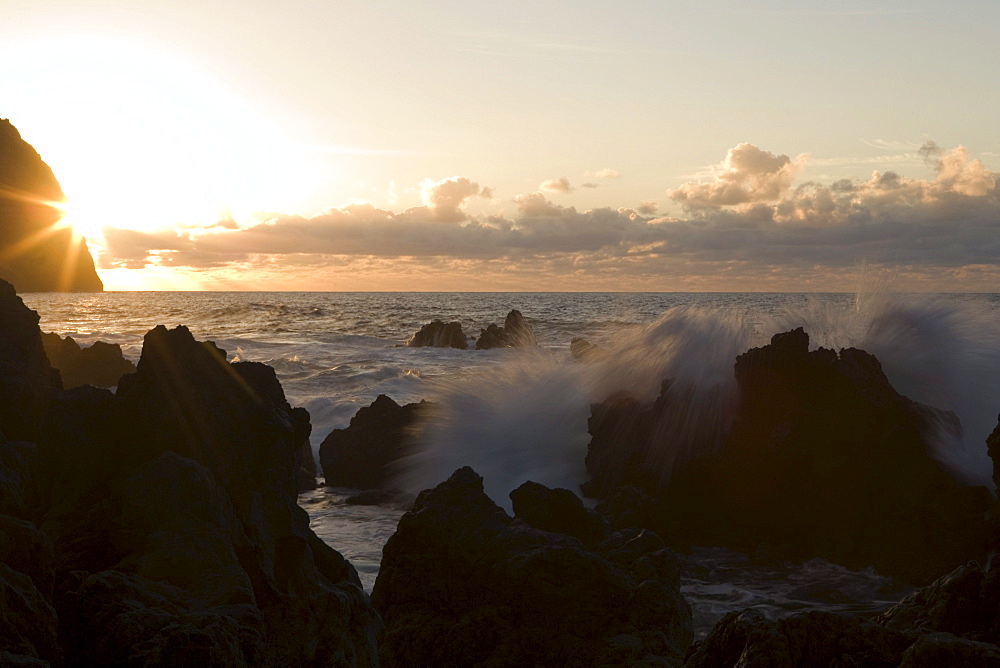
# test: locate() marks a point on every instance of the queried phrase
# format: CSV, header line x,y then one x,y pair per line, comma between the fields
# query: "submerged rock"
x,y
462,583
365,454
824,458
36,254
437,334
100,364
515,333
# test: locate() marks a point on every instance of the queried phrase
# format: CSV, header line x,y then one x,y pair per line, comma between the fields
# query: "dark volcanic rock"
x,y
557,510
366,453
515,333
28,622
965,603
160,525
993,447
811,639
944,649
27,382
100,364
824,459
34,255
305,463
437,334
461,583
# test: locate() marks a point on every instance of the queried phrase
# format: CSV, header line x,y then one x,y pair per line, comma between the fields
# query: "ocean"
x,y
518,414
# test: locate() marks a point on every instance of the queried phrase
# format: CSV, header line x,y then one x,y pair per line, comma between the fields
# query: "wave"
x,y
527,418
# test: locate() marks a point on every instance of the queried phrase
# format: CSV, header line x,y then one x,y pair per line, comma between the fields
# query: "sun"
x,y
142,139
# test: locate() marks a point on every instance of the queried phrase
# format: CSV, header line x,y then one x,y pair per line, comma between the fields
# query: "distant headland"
x,y
36,254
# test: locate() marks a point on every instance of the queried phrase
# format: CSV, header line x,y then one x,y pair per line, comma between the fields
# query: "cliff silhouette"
x,y
37,255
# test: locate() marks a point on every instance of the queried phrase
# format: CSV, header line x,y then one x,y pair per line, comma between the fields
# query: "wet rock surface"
x,y
365,454
462,583
515,333
159,526
823,459
439,334
100,364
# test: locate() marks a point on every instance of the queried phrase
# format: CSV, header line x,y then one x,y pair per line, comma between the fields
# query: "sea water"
x,y
517,414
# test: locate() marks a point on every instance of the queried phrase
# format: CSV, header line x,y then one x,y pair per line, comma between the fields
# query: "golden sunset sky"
x,y
662,146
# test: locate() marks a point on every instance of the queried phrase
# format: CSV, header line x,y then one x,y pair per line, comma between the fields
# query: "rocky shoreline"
x,y
159,526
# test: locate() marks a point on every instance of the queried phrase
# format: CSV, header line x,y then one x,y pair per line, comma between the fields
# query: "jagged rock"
x,y
365,454
811,639
28,623
993,448
305,469
630,507
943,649
953,603
437,334
515,333
100,364
491,337
462,583
27,381
115,618
35,254
171,510
18,468
557,510
824,458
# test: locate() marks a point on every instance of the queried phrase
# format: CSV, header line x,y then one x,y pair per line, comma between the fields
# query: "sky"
x,y
655,146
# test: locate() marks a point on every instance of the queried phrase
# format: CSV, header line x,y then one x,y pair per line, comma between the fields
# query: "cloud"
x,y
535,205
775,234
444,198
748,175
606,173
590,185
556,186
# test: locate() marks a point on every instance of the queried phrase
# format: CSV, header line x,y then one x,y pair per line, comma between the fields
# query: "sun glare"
x,y
142,140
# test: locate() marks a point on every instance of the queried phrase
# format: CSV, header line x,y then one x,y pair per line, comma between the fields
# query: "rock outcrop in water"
x,y
515,333
36,255
100,364
824,458
159,526
438,334
462,583
365,454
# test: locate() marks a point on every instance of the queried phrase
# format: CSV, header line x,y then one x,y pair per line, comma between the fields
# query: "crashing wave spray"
x,y
527,419
940,353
